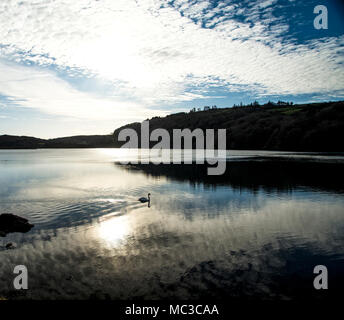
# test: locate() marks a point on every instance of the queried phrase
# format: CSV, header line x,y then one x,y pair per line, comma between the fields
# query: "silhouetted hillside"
x,y
100,141
15,142
308,127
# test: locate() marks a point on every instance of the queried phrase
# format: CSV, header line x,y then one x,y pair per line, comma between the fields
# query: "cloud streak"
x,y
156,52
34,88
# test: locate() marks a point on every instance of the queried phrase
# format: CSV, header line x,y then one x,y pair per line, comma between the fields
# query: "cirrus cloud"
x,y
154,53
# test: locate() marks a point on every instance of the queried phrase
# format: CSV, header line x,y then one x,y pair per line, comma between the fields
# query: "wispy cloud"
x,y
155,53
39,89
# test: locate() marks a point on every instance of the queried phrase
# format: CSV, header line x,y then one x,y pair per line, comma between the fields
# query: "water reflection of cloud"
x,y
70,181
90,226
161,251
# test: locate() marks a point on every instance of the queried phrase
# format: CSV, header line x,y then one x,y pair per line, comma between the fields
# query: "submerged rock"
x,y
12,223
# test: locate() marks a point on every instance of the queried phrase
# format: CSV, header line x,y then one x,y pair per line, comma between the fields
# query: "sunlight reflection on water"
x,y
235,234
113,229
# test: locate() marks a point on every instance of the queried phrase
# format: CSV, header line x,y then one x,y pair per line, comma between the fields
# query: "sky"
x,y
90,66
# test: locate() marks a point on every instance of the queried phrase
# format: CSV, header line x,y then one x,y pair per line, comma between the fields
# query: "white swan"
x,y
144,199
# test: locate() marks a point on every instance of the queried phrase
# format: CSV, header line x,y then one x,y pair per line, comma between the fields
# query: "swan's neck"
x,y
148,197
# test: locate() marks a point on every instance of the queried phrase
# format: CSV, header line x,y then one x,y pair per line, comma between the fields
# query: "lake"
x,y
256,232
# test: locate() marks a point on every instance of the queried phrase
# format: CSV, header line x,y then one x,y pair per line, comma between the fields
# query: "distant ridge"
x,y
23,142
304,127
307,127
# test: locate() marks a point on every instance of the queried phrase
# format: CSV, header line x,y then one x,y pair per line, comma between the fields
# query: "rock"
x,y
11,245
12,223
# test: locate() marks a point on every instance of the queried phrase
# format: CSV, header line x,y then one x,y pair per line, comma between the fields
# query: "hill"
x,y
303,127
306,127
16,142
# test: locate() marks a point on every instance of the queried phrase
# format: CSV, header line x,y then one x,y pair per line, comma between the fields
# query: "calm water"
x,y
255,232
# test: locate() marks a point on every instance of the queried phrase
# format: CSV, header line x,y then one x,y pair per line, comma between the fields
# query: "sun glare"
x,y
115,57
113,230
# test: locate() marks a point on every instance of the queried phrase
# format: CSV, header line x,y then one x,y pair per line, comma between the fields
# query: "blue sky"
x,y
87,66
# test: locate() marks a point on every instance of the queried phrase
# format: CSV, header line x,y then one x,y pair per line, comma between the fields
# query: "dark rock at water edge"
x,y
11,245
11,223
